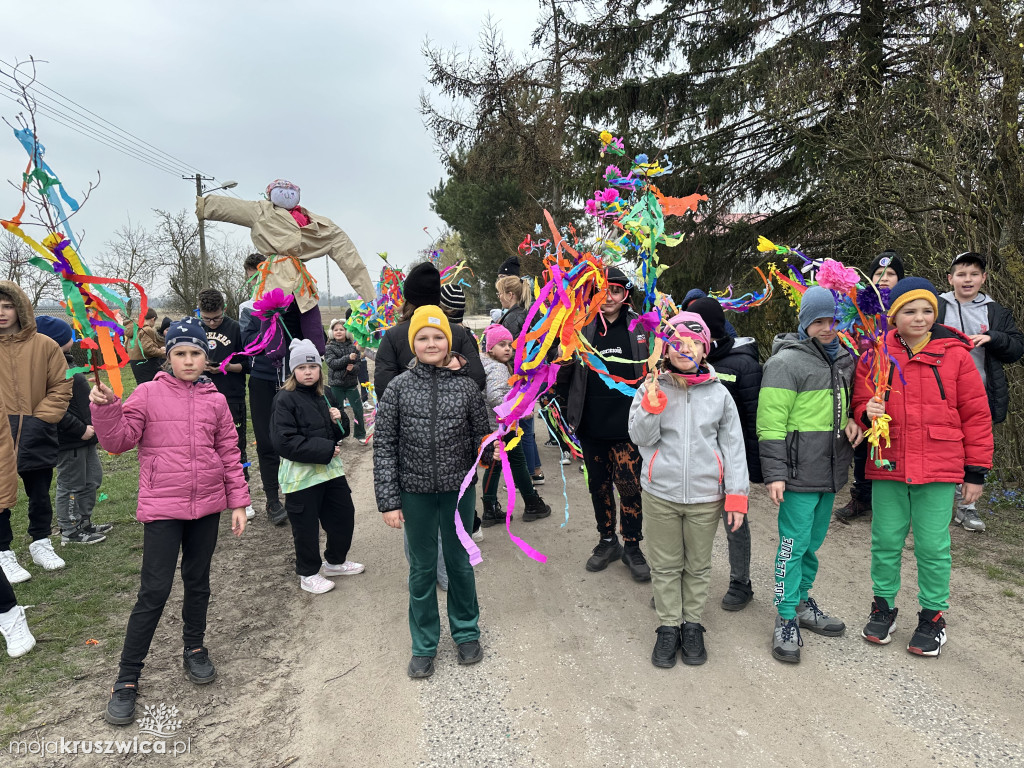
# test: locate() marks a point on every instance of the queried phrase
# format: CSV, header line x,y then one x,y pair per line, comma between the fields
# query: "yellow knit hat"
x,y
429,315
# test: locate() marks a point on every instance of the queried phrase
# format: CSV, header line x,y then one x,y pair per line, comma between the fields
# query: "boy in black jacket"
x,y
225,337
79,472
738,366
997,342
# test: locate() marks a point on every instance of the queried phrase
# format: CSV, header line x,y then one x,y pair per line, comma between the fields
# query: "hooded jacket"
x,y
302,427
336,355
430,424
71,428
940,430
984,315
395,355
34,387
691,443
189,465
8,468
738,367
581,376
802,411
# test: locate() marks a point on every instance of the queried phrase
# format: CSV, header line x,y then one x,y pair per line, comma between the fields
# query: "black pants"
x,y
161,542
615,465
327,504
237,409
364,378
7,598
40,507
861,488
261,405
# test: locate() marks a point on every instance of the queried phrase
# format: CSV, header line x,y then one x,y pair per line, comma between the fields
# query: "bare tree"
x,y
15,265
176,243
132,255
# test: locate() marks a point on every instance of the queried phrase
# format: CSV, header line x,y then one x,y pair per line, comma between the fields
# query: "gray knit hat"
x,y
301,352
816,303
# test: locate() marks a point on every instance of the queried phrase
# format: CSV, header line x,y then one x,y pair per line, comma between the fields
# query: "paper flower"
x,y
836,277
867,300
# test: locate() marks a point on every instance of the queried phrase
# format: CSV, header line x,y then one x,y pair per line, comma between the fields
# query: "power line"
x,y
36,84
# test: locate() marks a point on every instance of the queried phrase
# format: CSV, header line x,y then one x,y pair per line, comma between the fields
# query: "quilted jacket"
x,y
429,427
189,465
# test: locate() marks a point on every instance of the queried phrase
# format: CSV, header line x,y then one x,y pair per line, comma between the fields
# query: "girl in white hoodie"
x,y
688,430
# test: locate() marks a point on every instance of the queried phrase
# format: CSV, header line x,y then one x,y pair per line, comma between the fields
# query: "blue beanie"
x,y
55,328
817,302
909,289
186,332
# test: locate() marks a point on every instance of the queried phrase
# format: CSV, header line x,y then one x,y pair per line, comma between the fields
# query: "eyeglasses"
x,y
211,320
616,290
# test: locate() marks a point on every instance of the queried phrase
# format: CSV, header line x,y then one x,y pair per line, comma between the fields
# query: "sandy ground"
x,y
567,680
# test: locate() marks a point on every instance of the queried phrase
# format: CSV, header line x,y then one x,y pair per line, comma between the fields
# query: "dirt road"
x,y
567,678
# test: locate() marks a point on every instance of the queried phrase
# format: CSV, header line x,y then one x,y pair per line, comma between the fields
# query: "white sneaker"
x,y
348,568
12,568
479,535
15,630
250,513
316,584
566,458
43,554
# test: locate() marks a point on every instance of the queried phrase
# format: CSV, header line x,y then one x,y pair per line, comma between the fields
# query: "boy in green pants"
x,y
940,435
806,439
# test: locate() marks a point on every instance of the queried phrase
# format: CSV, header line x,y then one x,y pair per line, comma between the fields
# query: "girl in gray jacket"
x,y
694,465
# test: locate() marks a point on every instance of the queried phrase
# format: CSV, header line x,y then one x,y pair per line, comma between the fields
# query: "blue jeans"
x,y
529,443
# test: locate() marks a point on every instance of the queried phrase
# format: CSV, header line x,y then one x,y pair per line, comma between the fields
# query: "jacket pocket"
x,y
952,434
792,451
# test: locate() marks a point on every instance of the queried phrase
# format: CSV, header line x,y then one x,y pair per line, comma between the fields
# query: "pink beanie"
x,y
691,325
495,333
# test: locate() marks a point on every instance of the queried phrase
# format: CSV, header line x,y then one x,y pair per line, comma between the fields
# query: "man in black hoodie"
x,y
737,364
600,417
225,339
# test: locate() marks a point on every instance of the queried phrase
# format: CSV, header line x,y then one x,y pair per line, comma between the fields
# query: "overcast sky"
x,y
324,94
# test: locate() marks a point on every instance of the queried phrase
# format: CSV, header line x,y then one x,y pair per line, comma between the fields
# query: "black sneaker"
x,y
854,509
693,651
737,596
636,562
276,512
121,706
666,648
930,635
91,527
880,623
538,479
198,667
470,652
493,514
551,441
80,536
421,666
604,553
535,509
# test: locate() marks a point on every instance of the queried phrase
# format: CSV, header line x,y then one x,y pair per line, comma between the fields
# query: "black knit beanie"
x,y
712,314
422,285
509,266
891,259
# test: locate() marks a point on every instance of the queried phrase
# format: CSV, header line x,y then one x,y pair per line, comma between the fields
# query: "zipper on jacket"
x,y
192,446
888,388
433,431
794,453
686,446
938,380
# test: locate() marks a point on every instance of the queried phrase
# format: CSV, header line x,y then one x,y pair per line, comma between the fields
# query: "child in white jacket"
x,y
688,430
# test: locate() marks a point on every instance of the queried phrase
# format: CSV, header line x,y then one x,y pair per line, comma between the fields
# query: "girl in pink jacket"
x,y
189,472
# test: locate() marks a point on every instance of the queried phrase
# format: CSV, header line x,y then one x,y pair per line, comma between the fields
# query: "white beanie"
x,y
302,351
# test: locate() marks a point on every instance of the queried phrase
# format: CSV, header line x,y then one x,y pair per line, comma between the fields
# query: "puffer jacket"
x,y
940,430
737,365
189,464
302,427
430,424
801,414
513,319
691,443
34,387
336,355
71,428
1005,348
497,386
8,468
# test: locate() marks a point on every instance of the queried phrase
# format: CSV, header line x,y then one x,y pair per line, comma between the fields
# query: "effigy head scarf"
x,y
283,194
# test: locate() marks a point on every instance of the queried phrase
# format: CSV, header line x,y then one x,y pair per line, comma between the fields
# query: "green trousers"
x,y
803,523
896,507
353,395
425,514
678,540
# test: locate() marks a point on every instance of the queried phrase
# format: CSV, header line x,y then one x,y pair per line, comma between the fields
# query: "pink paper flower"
x,y
609,195
836,277
270,302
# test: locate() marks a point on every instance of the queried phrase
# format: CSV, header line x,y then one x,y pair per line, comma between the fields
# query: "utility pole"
x,y
203,273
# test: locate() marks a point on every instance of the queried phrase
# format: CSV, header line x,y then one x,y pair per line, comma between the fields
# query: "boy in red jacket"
x,y
941,435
